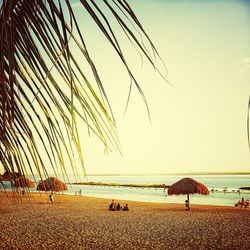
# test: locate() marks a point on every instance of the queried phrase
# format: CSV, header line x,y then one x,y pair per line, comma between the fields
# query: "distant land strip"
x,y
245,188
122,185
166,174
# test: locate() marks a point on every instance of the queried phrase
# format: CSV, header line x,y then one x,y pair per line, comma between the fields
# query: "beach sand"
x,y
79,222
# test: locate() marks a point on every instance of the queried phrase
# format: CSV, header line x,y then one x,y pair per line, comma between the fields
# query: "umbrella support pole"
x,y
187,204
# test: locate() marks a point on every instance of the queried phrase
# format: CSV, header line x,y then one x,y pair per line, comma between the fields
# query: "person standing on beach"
x,y
242,203
51,198
187,205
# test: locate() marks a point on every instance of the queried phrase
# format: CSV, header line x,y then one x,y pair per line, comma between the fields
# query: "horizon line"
x,y
178,173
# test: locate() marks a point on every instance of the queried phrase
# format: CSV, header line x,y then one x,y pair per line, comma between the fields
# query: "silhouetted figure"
x,y
112,206
242,203
125,208
51,198
187,205
118,208
247,203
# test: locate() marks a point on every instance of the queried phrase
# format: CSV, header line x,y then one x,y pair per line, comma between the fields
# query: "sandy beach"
x,y
79,222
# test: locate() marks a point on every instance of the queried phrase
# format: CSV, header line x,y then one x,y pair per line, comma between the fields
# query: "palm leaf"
x,y
44,89
248,123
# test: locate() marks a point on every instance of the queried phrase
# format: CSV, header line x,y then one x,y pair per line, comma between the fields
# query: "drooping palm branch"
x,y
248,123
44,87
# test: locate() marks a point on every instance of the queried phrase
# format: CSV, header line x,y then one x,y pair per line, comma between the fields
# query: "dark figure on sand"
x,y
125,208
187,205
247,203
51,198
112,206
117,207
242,203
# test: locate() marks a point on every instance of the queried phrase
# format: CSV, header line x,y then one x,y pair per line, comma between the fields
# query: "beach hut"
x,y
52,184
188,186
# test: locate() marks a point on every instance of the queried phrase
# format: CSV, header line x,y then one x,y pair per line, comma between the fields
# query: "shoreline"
x,y
157,202
31,195
173,199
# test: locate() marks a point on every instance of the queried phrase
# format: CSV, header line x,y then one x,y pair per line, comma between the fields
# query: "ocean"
x,y
226,188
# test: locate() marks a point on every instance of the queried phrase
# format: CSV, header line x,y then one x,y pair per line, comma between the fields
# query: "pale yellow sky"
x,y
200,123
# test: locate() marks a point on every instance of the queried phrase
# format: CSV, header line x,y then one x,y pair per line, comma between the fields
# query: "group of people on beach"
x,y
113,206
78,192
242,203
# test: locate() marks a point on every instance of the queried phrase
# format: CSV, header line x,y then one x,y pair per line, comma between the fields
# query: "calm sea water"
x,y
219,183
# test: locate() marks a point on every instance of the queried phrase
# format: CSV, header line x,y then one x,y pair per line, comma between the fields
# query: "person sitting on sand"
x,y
125,208
238,203
112,205
242,203
187,205
115,206
118,208
247,203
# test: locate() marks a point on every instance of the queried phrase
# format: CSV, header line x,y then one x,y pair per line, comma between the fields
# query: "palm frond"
x,y
45,89
248,123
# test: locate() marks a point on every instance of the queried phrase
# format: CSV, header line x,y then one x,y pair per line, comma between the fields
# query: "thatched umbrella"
x,y
188,186
10,176
1,180
23,182
52,184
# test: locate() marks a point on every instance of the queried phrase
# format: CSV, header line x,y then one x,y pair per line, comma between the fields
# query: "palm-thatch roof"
x,y
10,176
24,182
188,186
52,184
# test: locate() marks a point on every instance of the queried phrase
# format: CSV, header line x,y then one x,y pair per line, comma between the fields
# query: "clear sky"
x,y
200,123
